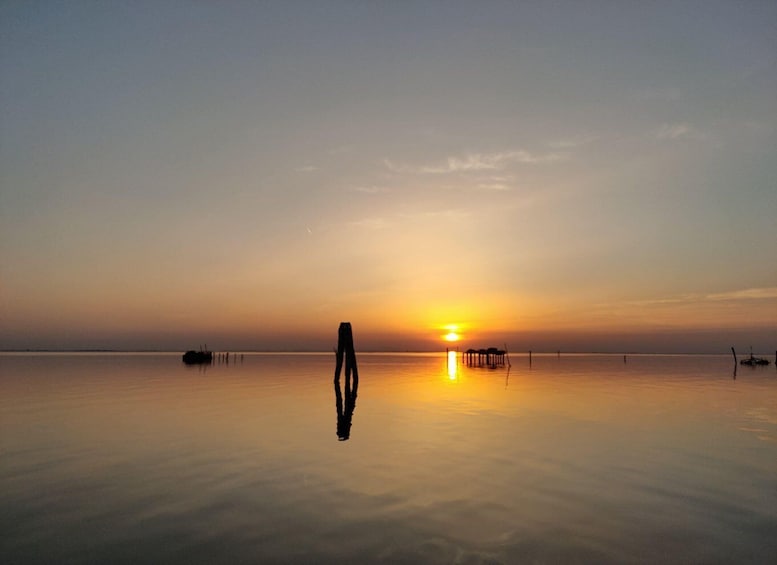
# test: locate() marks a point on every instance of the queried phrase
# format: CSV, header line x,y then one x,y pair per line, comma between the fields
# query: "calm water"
x,y
140,459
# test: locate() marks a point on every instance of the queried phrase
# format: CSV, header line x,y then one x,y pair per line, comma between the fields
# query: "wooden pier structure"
x,y
490,357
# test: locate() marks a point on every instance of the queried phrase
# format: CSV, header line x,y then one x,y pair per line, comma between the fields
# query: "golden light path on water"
x,y
453,366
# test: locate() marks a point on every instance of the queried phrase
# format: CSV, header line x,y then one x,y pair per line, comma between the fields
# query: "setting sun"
x,y
452,332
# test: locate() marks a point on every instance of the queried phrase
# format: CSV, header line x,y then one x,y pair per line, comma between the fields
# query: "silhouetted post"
x,y
343,335
345,351
735,354
530,358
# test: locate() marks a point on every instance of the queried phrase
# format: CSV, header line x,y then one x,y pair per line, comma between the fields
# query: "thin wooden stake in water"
x,y
345,351
735,354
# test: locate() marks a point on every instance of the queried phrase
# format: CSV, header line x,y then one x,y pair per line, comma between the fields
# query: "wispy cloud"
x,y
448,213
495,183
675,131
766,293
476,162
370,189
493,186
747,294
375,223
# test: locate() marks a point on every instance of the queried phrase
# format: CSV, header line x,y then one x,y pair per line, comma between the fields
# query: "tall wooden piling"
x,y
345,351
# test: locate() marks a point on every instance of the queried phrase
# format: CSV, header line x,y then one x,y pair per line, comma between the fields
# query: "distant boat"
x,y
753,361
193,357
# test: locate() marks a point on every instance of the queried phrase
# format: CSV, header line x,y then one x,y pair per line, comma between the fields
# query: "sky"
x,y
579,175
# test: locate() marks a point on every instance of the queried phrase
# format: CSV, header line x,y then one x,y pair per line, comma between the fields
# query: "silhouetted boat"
x,y
193,357
753,361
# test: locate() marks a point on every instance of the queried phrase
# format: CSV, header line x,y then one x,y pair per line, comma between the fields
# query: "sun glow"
x,y
452,333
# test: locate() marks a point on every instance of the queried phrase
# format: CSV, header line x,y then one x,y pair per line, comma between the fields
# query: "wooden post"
x,y
735,354
345,351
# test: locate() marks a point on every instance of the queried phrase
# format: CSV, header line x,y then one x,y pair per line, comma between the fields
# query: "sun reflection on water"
x,y
453,366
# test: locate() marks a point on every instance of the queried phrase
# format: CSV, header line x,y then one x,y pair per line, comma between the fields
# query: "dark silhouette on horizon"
x,y
193,357
345,351
753,361
491,357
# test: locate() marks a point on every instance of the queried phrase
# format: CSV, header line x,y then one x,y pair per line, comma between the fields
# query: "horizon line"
x,y
367,351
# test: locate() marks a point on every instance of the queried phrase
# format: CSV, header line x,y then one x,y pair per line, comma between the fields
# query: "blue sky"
x,y
251,174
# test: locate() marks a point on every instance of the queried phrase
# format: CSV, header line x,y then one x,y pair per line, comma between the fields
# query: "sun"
x,y
451,336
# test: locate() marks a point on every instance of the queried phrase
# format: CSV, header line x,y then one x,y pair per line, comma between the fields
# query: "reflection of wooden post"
x,y
345,351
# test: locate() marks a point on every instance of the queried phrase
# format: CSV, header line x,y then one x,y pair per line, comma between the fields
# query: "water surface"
x,y
129,458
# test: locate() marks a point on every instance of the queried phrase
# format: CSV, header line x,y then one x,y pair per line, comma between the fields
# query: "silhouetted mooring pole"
x,y
345,351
